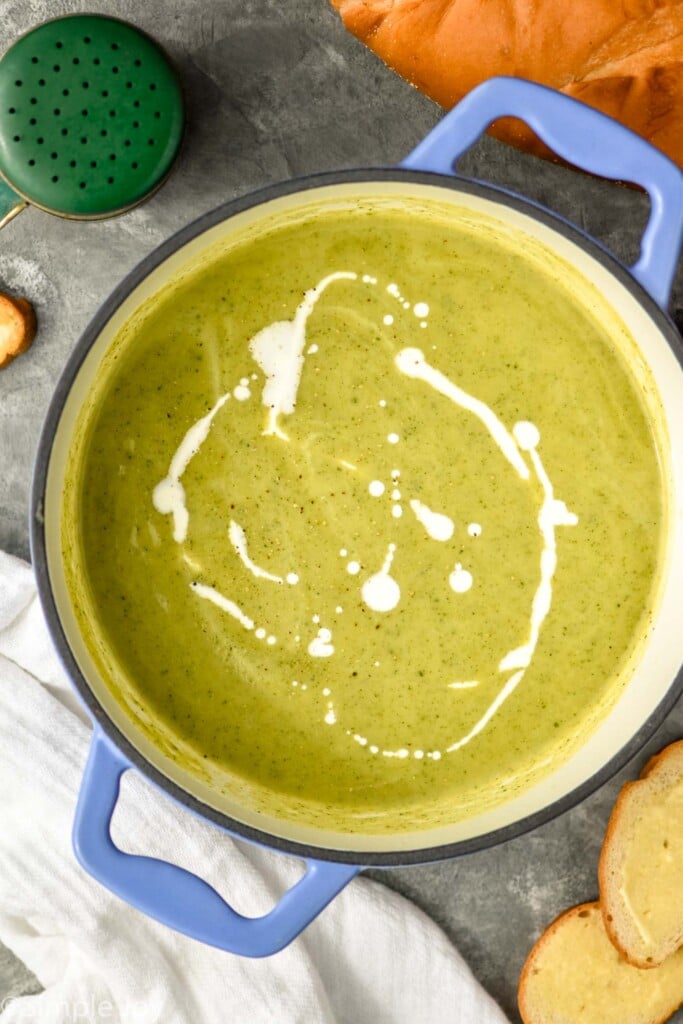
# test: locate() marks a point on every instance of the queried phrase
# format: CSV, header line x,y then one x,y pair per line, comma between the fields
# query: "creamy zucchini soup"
x,y
365,514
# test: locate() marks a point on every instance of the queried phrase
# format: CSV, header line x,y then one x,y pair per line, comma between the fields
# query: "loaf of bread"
x,y
17,327
574,975
641,864
624,57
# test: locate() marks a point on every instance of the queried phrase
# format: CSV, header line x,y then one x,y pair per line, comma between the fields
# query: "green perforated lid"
x,y
91,116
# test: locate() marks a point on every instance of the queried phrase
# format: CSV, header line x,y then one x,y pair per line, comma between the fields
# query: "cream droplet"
x,y
376,488
292,578
321,646
527,435
474,530
388,320
393,438
421,310
460,579
381,592
353,568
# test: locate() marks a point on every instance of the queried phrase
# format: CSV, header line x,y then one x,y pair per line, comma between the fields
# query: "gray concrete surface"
x,y
278,90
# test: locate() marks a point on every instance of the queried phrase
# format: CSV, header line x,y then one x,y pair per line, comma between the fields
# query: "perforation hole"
x,y
86,85
19,83
83,140
55,177
33,120
82,184
40,141
34,60
115,70
17,138
65,131
137,63
33,101
65,92
12,110
110,181
152,87
56,111
75,61
59,45
72,163
56,67
114,46
41,81
53,156
86,39
93,163
32,163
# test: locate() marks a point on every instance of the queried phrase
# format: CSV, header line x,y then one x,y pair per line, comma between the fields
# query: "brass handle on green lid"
x,y
10,204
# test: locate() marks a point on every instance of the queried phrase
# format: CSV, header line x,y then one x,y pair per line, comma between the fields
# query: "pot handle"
x,y
176,897
584,137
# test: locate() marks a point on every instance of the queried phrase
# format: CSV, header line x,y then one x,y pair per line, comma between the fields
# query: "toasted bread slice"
x,y
17,327
641,864
574,975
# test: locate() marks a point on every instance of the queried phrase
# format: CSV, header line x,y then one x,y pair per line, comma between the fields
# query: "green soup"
x,y
369,513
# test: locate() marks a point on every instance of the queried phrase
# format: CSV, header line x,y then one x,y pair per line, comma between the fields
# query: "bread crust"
x,y
17,327
670,759
624,57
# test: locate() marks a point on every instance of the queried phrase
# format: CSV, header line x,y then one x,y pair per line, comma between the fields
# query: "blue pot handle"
x,y
176,897
584,137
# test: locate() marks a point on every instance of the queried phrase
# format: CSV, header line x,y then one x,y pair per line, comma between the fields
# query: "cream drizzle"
x,y
438,526
553,513
238,539
169,496
279,351
412,363
226,605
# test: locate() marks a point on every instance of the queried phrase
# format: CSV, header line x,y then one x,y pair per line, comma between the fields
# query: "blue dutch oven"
x,y
638,294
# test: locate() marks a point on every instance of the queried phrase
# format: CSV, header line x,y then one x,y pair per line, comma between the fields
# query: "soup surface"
x,y
369,514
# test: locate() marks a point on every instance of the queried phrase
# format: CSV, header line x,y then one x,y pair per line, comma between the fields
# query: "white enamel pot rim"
x,y
416,848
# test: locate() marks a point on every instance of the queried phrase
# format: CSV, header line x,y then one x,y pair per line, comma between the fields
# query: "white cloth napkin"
x,y
370,957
